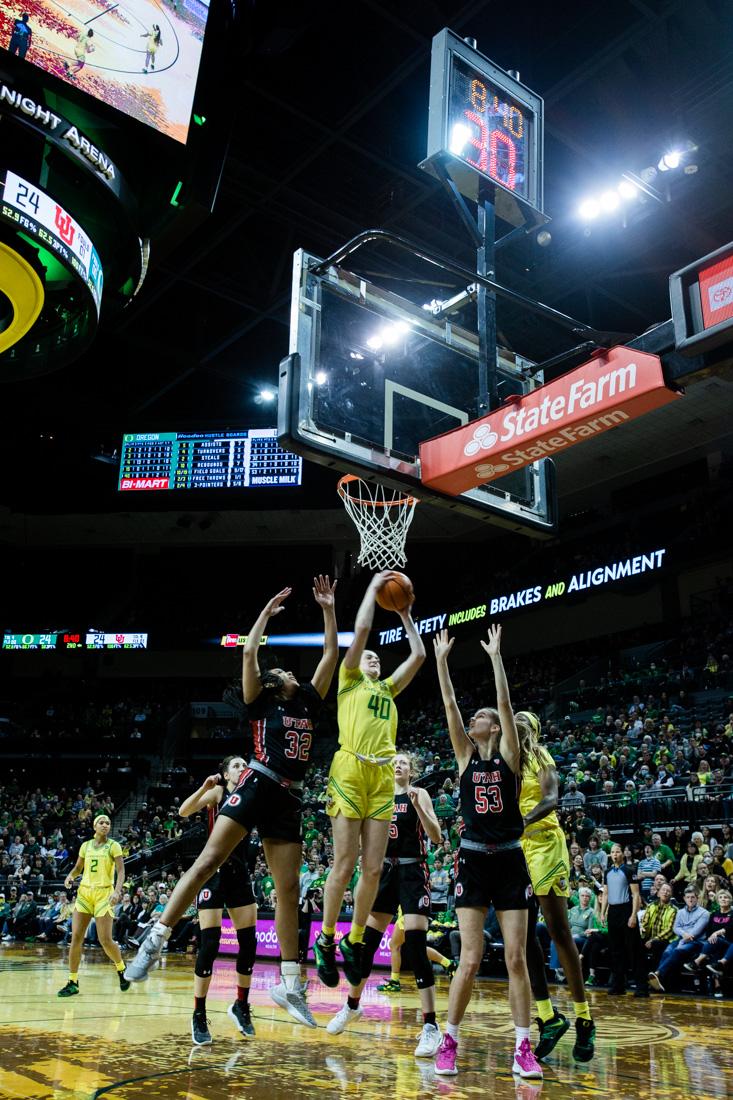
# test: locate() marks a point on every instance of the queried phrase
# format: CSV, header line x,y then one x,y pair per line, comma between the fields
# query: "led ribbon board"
x,y
30,210
484,124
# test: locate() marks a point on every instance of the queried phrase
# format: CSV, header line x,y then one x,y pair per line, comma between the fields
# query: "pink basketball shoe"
x,y
525,1063
445,1060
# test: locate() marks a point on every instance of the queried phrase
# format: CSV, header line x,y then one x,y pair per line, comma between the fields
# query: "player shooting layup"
x,y
360,796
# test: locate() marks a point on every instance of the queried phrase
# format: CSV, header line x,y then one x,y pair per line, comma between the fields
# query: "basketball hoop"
x,y
382,517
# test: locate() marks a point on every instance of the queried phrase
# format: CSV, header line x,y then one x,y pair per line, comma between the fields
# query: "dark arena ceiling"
x,y
329,104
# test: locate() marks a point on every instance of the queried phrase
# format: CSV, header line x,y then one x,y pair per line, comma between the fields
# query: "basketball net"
x,y
382,517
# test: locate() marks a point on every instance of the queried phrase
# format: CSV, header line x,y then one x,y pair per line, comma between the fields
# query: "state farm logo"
x,y
483,440
489,469
721,294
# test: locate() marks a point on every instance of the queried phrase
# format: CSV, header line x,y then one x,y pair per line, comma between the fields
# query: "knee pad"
x,y
372,940
207,952
416,944
247,938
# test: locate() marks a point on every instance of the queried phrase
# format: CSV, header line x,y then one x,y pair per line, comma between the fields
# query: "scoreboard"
x,y
209,460
94,639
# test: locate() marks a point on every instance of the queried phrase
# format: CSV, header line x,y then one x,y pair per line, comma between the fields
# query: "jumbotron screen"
x,y
210,460
139,56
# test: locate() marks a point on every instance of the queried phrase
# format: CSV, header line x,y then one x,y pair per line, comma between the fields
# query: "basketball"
x,y
396,594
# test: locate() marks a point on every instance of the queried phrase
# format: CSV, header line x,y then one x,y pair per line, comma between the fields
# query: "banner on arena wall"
x,y
268,946
614,387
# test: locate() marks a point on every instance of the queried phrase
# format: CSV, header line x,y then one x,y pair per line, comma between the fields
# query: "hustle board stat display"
x,y
210,460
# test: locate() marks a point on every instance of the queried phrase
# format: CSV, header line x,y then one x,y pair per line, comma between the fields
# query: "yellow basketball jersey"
x,y
367,714
99,862
531,792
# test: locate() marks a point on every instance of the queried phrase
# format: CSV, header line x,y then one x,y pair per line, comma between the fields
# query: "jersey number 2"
x,y
488,800
93,867
299,745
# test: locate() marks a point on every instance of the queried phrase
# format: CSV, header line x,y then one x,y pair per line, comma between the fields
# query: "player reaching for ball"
x,y
405,884
491,865
360,795
283,714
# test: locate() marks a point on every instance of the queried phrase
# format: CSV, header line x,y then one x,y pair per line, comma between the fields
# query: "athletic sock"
x,y
452,1030
199,1004
429,1018
394,976
328,930
582,1010
356,933
120,966
545,1010
353,1003
521,1034
243,994
74,977
445,963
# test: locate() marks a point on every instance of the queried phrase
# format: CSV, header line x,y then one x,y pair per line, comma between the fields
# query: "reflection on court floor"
x,y
137,1044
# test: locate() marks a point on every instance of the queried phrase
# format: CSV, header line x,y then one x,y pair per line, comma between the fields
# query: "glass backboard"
x,y
372,374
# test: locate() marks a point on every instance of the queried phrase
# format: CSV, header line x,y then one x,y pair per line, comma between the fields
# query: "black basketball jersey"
x,y
238,858
490,801
406,834
283,730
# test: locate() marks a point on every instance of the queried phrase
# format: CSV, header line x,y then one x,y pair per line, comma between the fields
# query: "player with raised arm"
x,y
283,714
102,870
491,865
360,793
231,888
405,883
546,851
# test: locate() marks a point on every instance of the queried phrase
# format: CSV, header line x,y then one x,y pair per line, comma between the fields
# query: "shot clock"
x,y
484,125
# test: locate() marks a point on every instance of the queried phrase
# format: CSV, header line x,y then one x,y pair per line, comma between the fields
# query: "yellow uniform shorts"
x,y
359,789
94,900
548,863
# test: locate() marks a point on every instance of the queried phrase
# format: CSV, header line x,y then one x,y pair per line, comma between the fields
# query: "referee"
x,y
620,904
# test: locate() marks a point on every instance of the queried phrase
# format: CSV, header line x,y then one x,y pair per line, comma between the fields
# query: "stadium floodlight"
x,y
321,377
670,160
267,395
589,209
609,201
627,189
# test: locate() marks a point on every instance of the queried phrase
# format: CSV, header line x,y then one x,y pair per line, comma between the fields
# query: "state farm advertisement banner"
x,y
268,947
616,386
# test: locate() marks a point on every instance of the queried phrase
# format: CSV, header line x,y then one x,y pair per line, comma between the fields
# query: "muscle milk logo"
x,y
614,387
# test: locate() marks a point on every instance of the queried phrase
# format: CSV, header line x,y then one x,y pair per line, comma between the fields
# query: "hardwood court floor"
x,y
136,1045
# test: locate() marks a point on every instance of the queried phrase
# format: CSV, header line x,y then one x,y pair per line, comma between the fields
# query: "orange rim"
x,y
342,492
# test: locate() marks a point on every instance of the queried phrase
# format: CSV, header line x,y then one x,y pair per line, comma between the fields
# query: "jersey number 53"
x,y
488,800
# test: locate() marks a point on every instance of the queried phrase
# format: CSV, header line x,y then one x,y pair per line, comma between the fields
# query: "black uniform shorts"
x,y
230,888
261,802
500,879
406,885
